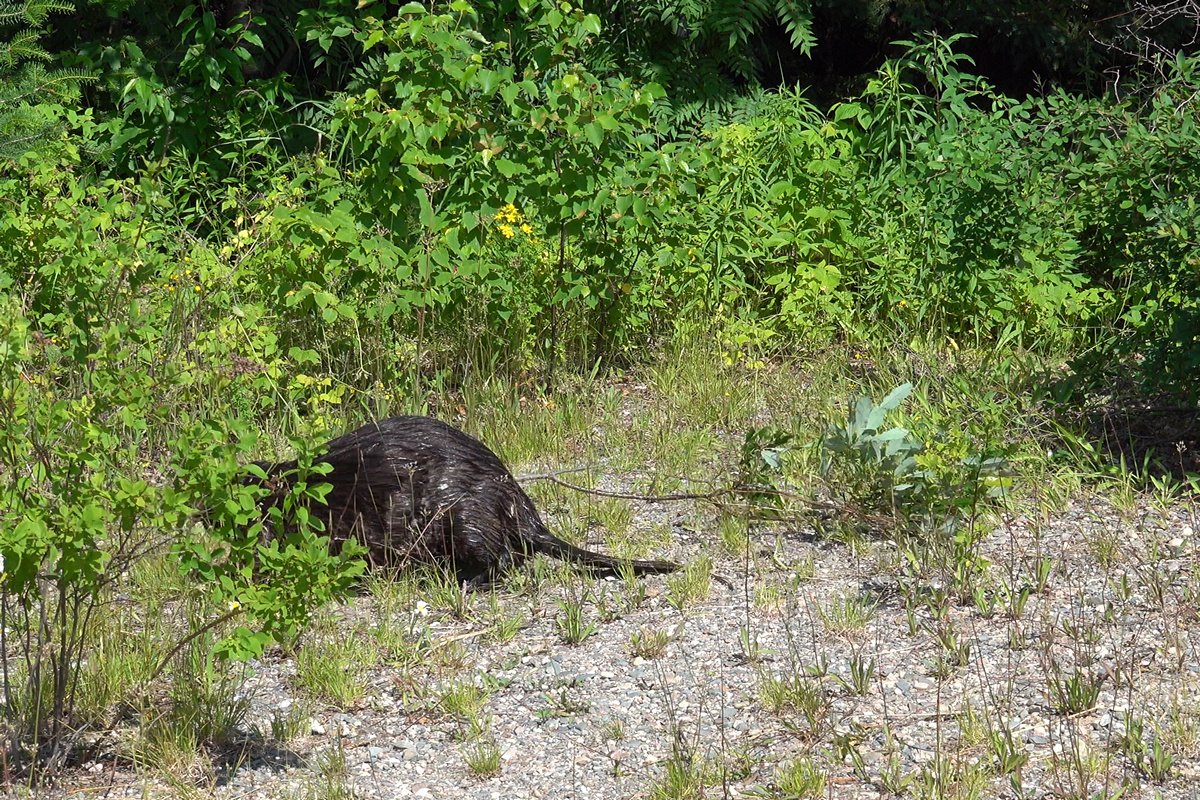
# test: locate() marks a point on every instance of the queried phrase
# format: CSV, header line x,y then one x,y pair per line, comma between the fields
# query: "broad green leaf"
x,y
896,397
594,133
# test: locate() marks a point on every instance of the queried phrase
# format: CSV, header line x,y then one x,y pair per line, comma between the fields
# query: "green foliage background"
x,y
335,211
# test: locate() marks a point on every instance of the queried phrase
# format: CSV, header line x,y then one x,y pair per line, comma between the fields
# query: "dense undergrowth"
x,y
185,287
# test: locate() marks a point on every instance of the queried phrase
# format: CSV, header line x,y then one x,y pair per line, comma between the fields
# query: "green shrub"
x,y
936,210
890,468
1137,176
512,182
113,432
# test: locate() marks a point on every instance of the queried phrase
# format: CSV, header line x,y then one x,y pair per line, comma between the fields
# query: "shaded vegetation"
x,y
295,217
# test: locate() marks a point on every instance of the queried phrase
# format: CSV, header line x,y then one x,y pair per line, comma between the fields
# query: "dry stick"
x,y
543,476
665,498
711,496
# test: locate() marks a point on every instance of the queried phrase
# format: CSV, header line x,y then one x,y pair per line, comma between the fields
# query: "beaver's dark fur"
x,y
416,489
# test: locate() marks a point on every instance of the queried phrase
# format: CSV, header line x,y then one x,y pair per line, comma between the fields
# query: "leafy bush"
x,y
191,108
111,436
1137,174
460,131
772,228
938,210
932,203
705,53
892,469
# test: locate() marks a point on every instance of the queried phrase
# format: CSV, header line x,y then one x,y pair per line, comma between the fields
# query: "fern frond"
x,y
796,17
369,73
737,21
699,91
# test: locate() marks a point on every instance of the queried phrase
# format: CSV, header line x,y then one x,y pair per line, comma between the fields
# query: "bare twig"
x,y
712,496
663,498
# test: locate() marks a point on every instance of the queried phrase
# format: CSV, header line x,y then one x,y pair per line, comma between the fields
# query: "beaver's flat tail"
x,y
551,545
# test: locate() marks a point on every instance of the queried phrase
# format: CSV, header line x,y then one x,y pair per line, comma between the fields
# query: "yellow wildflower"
x,y
509,213
506,230
525,229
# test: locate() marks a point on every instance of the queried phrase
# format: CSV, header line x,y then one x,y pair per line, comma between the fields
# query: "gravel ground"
x,y
554,707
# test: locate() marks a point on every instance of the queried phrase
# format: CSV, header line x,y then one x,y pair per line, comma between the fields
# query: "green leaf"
x,y
896,397
509,168
489,81
594,133
372,39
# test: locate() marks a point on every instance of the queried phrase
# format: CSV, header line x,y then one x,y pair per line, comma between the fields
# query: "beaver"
x,y
414,489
